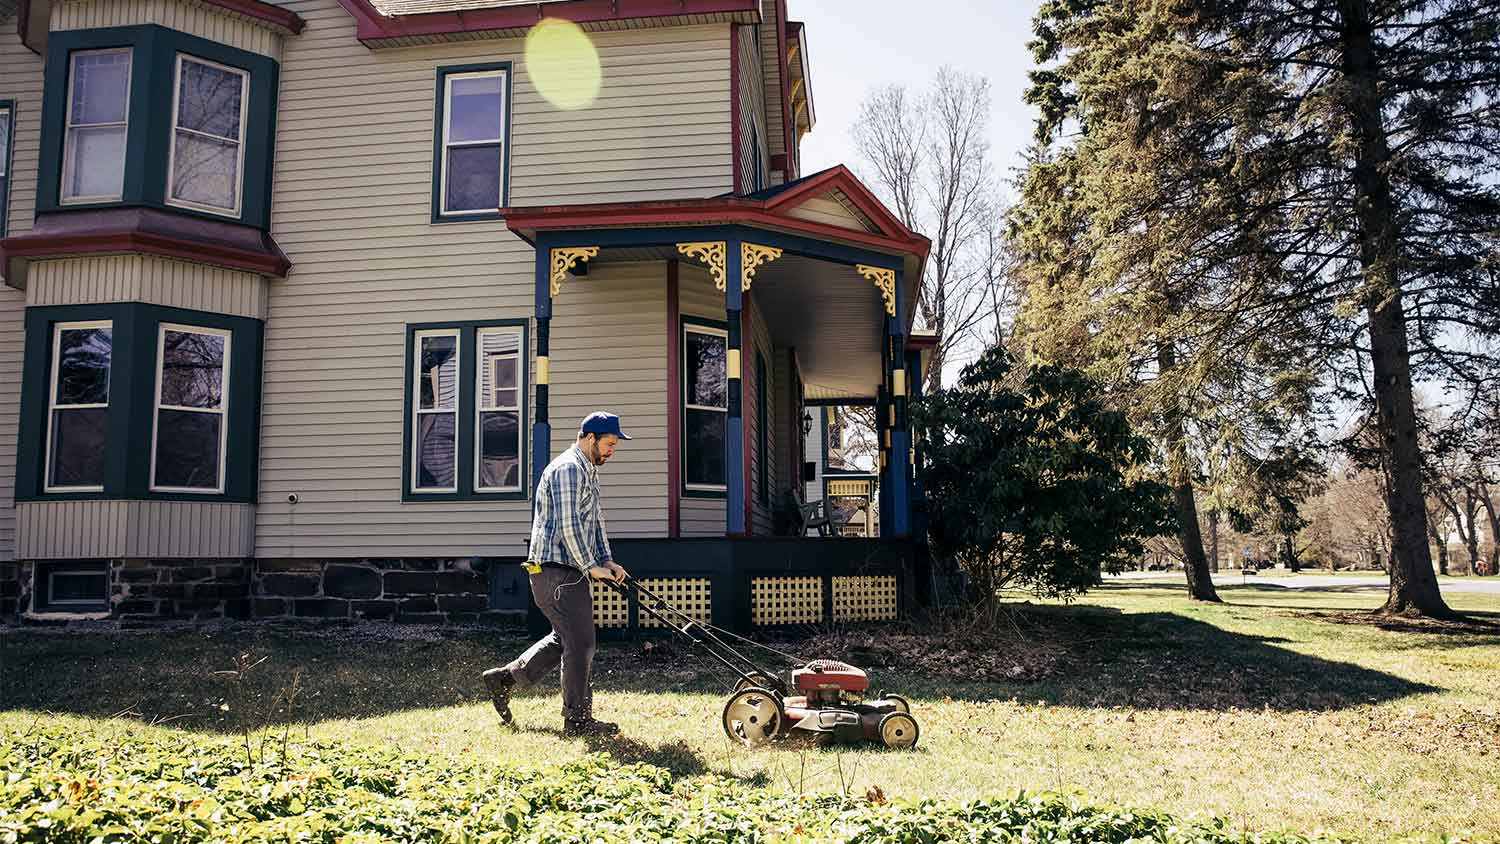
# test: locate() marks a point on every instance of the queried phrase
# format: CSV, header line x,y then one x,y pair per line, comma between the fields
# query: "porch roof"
x,y
857,219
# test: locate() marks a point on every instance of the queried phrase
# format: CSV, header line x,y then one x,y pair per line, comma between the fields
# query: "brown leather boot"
x,y
500,682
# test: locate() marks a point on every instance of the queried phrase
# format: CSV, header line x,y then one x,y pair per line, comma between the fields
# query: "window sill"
x,y
710,494
52,615
446,219
439,497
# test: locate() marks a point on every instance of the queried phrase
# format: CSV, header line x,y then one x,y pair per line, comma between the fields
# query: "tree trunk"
x,y
1471,508
1290,555
1213,541
1442,547
1414,587
1494,519
1199,581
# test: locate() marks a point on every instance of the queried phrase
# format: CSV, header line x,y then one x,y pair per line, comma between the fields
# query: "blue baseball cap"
x,y
602,423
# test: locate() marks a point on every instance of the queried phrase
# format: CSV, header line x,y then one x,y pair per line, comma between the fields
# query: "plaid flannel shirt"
x,y
568,524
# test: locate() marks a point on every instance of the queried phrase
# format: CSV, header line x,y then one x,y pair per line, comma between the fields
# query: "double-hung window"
x,y
473,116
498,403
98,109
208,136
435,422
78,407
6,120
188,445
466,415
705,387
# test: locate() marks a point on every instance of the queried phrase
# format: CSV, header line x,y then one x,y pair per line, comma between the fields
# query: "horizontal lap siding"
x,y
191,18
814,490
145,278
770,69
21,81
351,208
751,97
698,297
829,212
702,517
760,343
609,352
156,529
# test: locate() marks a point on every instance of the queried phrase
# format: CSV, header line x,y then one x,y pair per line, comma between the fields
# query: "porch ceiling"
x,y
832,316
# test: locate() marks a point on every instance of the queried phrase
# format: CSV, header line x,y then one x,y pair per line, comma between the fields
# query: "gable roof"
x,y
396,23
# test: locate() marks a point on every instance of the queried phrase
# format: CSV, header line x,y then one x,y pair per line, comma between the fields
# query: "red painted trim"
x,y
674,404
697,212
917,342
284,18
839,177
56,246
734,104
793,159
370,25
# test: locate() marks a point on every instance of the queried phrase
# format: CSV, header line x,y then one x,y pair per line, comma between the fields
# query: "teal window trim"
x,y
130,418
153,79
466,443
8,116
439,113
686,323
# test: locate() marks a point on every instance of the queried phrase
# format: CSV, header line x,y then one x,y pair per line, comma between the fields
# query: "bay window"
x,y
78,406
208,133
98,109
188,444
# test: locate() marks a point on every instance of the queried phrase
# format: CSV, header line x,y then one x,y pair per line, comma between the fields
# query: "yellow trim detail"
x,y
898,382
710,252
732,364
543,369
752,256
883,279
563,260
848,487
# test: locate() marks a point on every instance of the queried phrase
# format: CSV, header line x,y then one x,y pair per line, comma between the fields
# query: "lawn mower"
x,y
821,697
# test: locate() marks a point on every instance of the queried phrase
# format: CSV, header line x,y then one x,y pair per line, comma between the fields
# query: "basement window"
x,y
71,586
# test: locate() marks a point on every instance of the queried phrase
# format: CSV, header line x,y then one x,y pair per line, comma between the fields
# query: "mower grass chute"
x,y
821,697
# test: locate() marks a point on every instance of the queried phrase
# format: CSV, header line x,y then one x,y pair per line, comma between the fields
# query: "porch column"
x,y
552,268
900,437
734,427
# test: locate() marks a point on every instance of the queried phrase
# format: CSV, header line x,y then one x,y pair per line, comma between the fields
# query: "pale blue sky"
x,y
855,45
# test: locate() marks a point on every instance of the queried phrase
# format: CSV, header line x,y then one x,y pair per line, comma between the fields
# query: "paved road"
x,y
1313,581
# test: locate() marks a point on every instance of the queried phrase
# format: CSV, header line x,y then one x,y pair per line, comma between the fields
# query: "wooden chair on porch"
x,y
814,515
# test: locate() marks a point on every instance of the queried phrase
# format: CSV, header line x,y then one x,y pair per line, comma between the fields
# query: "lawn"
x,y
1281,709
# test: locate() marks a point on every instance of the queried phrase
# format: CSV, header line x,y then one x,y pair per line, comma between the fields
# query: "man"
x,y
568,546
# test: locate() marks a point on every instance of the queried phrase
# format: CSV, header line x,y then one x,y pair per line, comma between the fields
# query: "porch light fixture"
x,y
806,423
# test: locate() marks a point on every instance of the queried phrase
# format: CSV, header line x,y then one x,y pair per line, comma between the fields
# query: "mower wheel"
x,y
753,717
899,730
757,681
900,703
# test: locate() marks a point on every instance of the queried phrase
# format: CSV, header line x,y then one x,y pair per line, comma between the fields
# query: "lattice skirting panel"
x,y
611,610
865,598
786,600
689,594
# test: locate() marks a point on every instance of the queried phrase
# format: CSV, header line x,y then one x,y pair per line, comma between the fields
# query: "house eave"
x,y
375,30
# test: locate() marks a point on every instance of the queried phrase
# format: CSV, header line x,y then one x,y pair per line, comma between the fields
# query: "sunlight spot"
x,y
563,64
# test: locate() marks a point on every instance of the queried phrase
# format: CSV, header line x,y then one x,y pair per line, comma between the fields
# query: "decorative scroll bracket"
x,y
710,252
564,260
885,280
752,257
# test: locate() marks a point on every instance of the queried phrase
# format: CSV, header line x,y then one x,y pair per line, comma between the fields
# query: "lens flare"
x,y
563,64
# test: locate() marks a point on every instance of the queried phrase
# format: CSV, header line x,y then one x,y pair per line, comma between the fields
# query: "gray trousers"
x,y
564,598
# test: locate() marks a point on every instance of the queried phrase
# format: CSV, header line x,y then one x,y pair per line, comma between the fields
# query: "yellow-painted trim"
x,y
543,369
732,364
563,260
752,256
891,408
883,279
710,252
898,382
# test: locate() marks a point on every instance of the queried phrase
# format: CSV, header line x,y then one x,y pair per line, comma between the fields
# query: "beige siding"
x,y
145,278
814,444
12,341
829,211
351,208
181,15
751,97
609,352
771,73
21,80
697,297
760,345
702,517
161,529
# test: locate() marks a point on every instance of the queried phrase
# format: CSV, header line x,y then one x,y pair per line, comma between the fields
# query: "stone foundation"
x,y
415,590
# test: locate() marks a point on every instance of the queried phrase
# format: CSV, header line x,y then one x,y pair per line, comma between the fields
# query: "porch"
x,y
776,302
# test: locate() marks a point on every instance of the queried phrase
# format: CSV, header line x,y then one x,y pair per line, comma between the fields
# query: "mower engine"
x,y
829,683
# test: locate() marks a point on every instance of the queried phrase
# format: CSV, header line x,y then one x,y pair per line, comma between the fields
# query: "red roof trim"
x,y
696,212
371,25
284,18
273,263
839,177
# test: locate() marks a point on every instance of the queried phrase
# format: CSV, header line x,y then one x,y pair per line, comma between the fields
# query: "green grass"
x,y
1279,709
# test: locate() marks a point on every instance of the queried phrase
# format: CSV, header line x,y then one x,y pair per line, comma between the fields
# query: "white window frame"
x,y
501,141
222,410
8,118
239,166
482,404
53,406
69,126
694,328
416,404
74,605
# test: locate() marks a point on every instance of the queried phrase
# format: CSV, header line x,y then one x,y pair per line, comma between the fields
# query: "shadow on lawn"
x,y
1106,658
